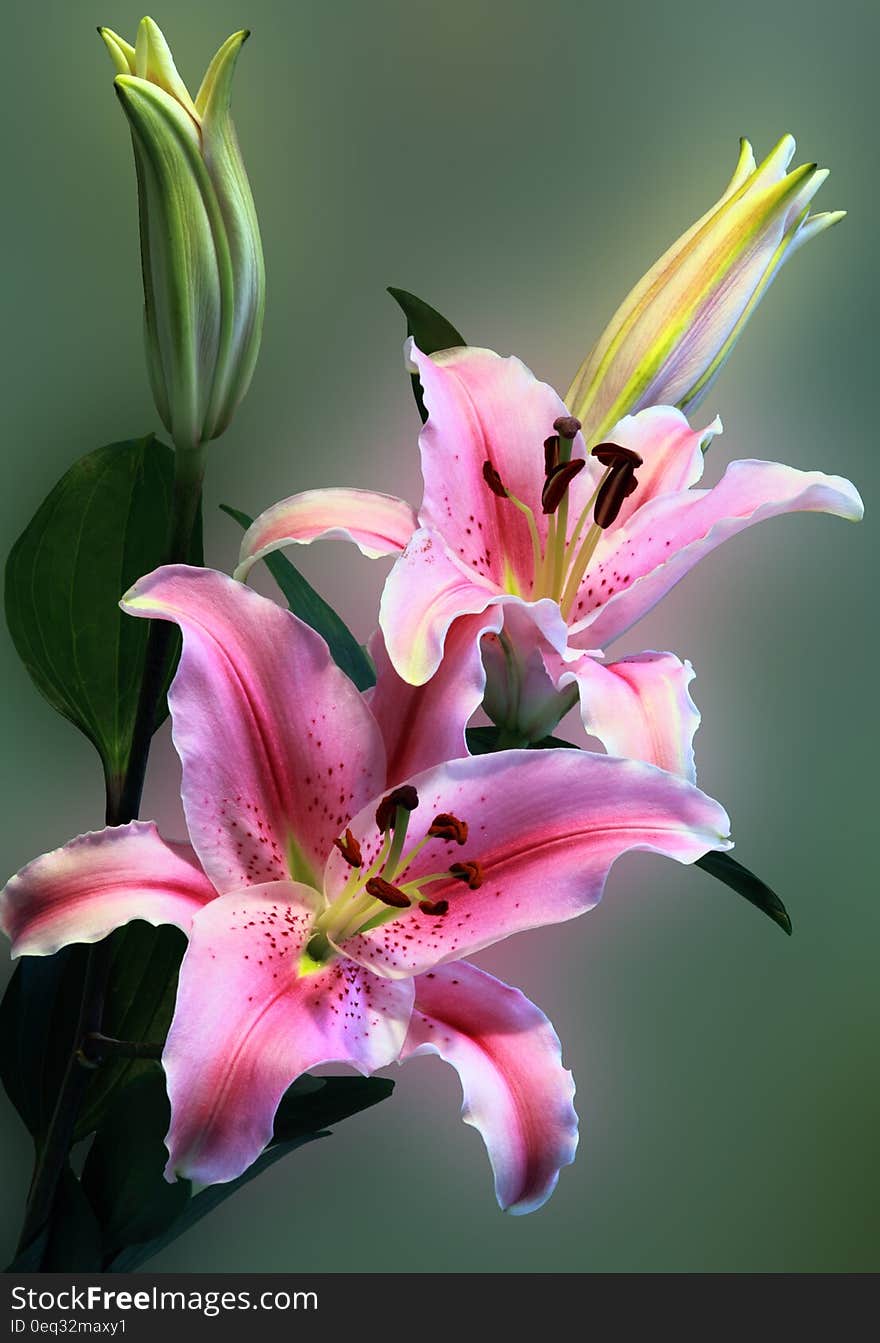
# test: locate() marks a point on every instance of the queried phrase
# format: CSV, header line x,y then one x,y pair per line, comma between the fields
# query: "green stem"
x,y
97,1047
123,802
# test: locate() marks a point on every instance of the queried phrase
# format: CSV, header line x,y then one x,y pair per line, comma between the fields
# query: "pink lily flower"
x,y
330,903
549,551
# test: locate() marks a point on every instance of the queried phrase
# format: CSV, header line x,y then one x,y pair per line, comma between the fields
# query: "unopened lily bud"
x,y
202,259
671,335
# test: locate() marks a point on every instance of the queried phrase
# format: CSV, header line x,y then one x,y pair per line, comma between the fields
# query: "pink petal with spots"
x,y
246,1025
427,590
639,707
516,1092
664,539
545,827
672,454
425,725
482,407
98,882
278,747
378,524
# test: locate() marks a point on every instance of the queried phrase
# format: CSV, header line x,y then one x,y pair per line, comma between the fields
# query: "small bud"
x,y
673,332
202,259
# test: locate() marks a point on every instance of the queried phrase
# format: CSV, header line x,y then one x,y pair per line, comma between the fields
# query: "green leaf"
x,y
746,884
307,1106
70,1241
430,330
311,608
103,526
73,1244
138,1005
38,1020
124,1171
484,740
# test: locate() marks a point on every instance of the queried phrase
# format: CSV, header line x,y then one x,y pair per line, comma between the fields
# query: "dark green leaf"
x,y
430,330
746,884
38,1019
123,1174
484,740
138,1005
103,526
74,1241
30,1258
306,1107
311,608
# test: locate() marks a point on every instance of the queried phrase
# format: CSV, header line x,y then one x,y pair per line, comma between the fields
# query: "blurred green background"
x,y
519,165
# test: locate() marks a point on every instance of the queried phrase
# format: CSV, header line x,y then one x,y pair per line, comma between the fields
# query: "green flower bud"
x,y
202,259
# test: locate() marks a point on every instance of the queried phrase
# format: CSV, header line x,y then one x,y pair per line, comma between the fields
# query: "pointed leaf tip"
x,y
739,879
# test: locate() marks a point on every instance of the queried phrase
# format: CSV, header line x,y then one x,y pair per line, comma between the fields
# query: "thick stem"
x,y
189,470
123,803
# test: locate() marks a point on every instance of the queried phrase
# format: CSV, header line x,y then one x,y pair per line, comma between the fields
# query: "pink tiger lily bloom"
x,y
330,904
549,551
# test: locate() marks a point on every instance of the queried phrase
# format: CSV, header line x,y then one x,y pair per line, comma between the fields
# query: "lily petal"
x,y
516,1092
378,524
278,748
246,1025
640,707
427,590
638,564
672,454
482,407
545,828
98,882
425,725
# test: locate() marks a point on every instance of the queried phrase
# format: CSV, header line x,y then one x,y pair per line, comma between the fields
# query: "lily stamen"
x,y
497,486
616,485
350,849
470,872
389,894
447,826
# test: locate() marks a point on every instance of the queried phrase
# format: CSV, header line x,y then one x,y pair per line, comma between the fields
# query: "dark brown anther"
x,y
434,906
619,486
493,480
382,890
567,426
551,453
350,849
405,797
612,454
558,482
447,826
470,872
